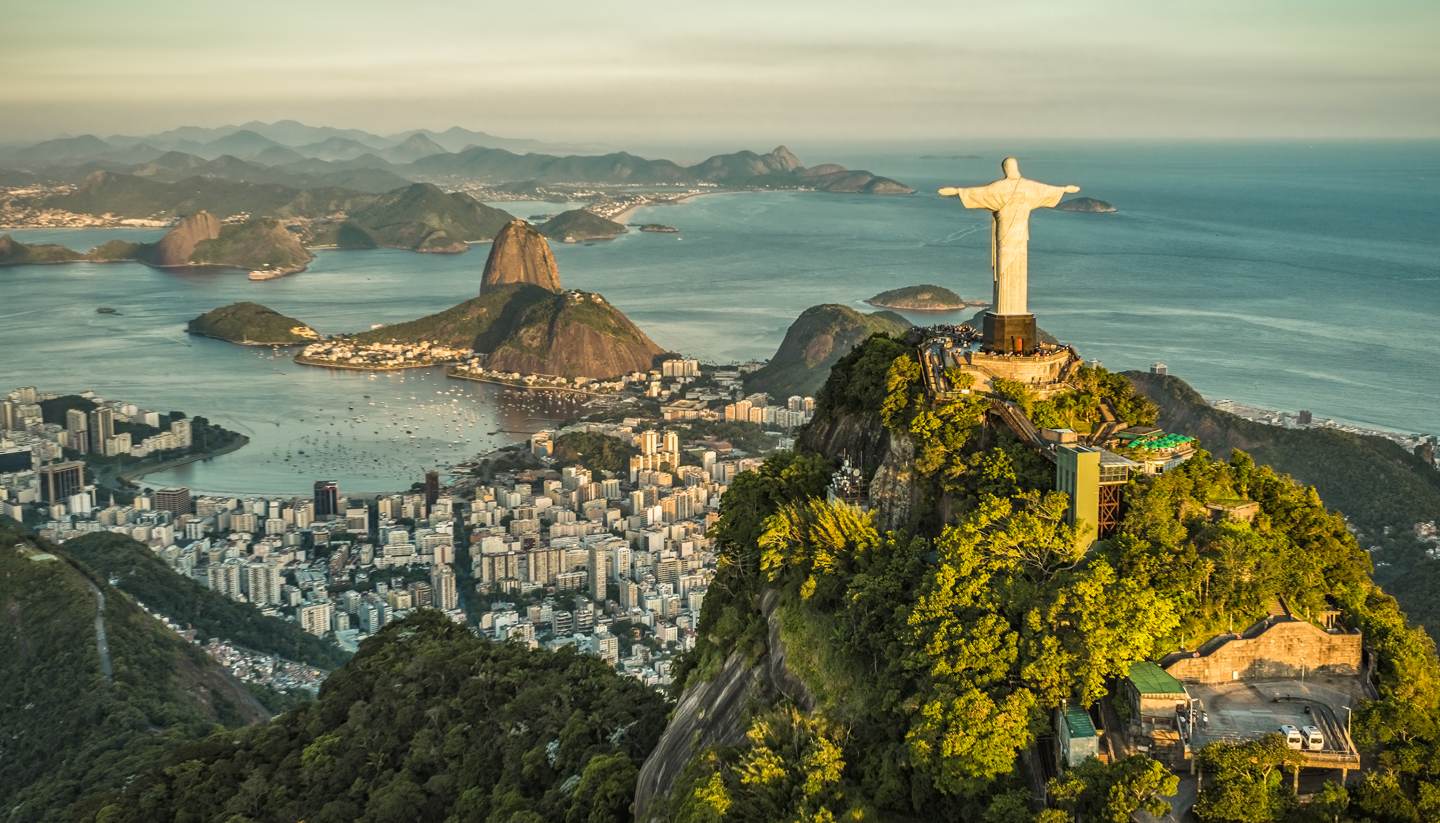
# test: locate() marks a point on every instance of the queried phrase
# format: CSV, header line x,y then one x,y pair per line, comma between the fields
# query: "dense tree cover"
x,y
1092,387
426,722
138,572
790,768
1245,782
1096,792
939,653
858,382
596,452
65,730
730,619
1381,488
958,459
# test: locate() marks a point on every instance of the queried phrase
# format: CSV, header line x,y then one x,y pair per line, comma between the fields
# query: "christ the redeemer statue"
x,y
1009,326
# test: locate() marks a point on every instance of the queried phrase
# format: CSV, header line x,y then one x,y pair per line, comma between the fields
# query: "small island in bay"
x,y
921,298
1088,205
658,228
251,324
580,226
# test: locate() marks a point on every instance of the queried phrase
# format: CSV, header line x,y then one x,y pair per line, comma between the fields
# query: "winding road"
x,y
102,644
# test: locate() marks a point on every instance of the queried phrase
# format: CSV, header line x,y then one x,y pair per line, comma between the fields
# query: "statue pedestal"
x,y
1009,333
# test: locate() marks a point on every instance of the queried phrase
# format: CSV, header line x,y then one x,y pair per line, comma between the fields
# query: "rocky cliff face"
x,y
178,244
886,458
520,254
713,713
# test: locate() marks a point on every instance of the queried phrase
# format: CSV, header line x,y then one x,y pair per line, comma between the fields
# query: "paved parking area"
x,y
1250,710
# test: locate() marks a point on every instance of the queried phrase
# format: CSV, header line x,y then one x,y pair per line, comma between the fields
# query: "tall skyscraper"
x,y
77,423
327,499
58,481
599,568
432,487
442,582
262,583
102,428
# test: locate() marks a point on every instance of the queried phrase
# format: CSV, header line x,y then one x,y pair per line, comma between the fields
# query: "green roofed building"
x,y
1077,736
1149,679
1153,696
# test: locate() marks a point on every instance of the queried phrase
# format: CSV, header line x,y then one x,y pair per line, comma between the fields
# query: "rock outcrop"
x,y
519,255
15,253
178,244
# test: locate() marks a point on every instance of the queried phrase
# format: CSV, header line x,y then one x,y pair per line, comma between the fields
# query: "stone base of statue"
x,y
1009,333
1044,370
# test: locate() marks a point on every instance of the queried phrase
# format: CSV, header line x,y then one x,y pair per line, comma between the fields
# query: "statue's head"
x,y
1011,167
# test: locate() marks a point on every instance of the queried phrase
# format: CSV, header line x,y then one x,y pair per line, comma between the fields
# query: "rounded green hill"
x,y
921,298
251,324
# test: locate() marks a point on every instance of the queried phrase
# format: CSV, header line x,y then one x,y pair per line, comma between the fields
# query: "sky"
x,y
831,71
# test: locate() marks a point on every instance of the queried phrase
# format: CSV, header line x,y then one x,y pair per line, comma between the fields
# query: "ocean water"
x,y
1285,275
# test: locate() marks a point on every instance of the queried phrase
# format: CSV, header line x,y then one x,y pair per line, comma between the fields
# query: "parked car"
x,y
1293,739
1314,740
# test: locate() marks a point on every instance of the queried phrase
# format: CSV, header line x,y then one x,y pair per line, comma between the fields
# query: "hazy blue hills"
x,y
413,148
127,195
335,148
415,155
424,218
779,168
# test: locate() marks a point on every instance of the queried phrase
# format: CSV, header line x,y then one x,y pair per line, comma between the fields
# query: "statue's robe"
x,y
1010,201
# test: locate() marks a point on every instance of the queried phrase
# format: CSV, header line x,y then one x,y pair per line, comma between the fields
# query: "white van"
x,y
1314,740
1292,736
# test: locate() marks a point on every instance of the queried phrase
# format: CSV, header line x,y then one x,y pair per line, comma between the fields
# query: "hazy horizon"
x,y
805,72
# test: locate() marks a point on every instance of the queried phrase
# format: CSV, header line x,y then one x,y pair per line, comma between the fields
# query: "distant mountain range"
x,y
308,157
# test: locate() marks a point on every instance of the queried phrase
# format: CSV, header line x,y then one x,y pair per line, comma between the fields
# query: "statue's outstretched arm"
x,y
1071,189
949,191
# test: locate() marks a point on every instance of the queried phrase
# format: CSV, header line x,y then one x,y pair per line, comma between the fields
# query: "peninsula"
x,y
197,240
522,324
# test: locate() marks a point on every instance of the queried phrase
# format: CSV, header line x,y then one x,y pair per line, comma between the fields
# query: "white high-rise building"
x,y
262,583
315,617
442,581
599,572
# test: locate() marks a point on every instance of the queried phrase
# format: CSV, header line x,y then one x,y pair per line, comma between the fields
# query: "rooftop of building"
x,y
1151,680
1078,722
